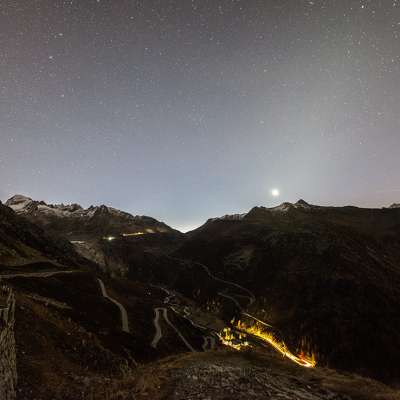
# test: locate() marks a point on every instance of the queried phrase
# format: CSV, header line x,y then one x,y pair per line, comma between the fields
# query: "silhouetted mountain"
x,y
328,276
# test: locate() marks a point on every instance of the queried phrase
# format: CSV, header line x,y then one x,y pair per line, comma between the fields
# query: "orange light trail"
x,y
257,331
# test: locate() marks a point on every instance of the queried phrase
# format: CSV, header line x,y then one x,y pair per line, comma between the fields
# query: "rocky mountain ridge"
x,y
286,207
77,223
25,205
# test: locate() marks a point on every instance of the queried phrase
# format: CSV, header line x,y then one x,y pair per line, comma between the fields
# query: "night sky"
x,y
185,110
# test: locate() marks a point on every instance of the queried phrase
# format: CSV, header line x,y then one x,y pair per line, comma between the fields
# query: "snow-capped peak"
x,y
284,207
25,205
231,217
19,203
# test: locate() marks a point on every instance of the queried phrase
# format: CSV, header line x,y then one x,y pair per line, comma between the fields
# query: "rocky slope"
x,y
249,375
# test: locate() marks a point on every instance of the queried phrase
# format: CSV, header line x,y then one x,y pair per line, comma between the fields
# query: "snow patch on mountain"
x,y
282,208
19,203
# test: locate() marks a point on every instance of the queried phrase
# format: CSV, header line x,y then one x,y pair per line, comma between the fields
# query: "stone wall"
x,y
8,367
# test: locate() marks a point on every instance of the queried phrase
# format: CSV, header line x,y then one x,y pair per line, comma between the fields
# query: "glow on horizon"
x,y
188,228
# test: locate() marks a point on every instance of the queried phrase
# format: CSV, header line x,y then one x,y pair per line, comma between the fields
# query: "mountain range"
x,y
123,299
75,222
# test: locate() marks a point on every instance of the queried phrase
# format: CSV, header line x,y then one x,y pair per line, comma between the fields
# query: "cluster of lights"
x,y
228,338
110,238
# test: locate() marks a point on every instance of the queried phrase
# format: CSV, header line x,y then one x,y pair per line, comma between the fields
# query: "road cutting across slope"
x,y
46,274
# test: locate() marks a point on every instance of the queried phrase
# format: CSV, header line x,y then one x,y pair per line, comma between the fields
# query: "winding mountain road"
x,y
124,314
158,334
156,322
227,296
49,274
279,346
250,294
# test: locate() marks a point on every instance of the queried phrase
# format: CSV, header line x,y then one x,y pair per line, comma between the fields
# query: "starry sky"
x,y
190,109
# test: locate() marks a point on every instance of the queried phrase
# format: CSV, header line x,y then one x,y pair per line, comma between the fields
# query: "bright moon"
x,y
275,192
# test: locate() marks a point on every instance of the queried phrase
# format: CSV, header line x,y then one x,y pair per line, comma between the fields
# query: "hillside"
x,y
328,277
